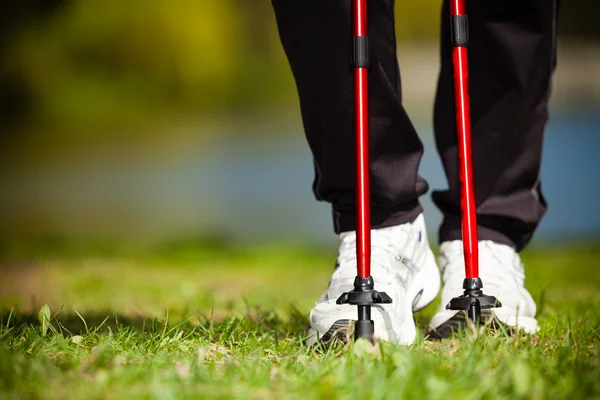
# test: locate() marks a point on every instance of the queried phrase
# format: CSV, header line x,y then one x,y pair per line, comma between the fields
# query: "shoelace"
x,y
499,273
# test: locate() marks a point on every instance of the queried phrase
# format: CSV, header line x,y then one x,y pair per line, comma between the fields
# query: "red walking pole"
x,y
361,115
473,299
363,295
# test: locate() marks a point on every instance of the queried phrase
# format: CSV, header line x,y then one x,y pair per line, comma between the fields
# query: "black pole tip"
x,y
364,296
365,329
473,300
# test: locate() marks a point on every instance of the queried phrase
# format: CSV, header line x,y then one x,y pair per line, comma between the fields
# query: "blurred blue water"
x,y
257,186
266,190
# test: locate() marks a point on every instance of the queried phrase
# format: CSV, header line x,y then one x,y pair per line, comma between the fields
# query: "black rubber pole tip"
x,y
475,312
365,330
473,300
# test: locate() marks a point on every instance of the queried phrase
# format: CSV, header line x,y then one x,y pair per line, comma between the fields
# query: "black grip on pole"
x,y
361,57
459,30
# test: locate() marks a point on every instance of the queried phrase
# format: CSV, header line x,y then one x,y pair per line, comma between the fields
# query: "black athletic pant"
x,y
511,57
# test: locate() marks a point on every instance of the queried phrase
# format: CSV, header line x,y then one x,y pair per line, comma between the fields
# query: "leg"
x,y
316,38
511,60
511,57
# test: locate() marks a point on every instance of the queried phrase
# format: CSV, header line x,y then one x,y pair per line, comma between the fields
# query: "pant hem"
x,y
451,229
381,217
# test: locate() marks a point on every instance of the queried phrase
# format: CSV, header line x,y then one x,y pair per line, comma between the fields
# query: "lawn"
x,y
204,319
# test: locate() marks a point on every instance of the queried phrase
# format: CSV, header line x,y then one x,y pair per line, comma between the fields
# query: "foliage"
x,y
79,63
105,59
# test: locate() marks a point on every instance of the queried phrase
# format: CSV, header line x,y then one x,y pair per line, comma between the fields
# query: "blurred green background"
x,y
147,119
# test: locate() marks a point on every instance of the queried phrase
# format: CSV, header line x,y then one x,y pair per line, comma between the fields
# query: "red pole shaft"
x,y
363,207
463,120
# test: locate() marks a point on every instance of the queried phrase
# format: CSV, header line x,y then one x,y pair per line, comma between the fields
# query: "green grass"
x,y
212,321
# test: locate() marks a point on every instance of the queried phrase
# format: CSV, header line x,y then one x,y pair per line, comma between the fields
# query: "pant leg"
x,y
511,61
316,37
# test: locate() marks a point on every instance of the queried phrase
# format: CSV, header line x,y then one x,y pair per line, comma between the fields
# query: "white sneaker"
x,y
503,276
402,265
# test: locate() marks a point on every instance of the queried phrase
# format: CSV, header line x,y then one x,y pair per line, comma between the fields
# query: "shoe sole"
x,y
460,323
423,290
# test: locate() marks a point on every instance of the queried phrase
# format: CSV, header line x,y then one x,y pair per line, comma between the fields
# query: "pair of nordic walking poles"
x,y
364,295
